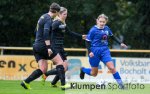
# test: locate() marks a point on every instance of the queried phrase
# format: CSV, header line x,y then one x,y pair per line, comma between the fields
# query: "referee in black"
x,y
42,48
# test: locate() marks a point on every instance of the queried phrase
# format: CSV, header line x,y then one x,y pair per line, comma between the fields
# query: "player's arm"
x,y
115,38
118,41
88,45
77,35
88,41
47,26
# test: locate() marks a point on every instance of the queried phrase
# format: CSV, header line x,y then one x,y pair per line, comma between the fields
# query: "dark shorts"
x,y
40,52
62,53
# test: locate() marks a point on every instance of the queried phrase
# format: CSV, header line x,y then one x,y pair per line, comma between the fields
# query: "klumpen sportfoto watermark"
x,y
103,86
87,86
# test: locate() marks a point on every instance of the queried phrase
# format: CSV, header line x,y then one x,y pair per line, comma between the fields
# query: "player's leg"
x,y
94,71
50,72
107,60
116,75
56,78
94,62
60,70
54,81
61,74
38,72
54,71
40,56
35,74
63,55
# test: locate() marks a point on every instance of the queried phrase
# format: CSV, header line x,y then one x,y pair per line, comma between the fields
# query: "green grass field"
x,y
13,87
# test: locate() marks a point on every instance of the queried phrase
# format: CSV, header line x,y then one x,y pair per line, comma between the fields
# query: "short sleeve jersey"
x,y
99,37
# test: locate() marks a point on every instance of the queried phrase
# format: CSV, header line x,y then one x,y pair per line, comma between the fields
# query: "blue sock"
x,y
118,79
86,70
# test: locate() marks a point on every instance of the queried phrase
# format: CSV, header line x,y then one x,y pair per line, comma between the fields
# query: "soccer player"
x,y
59,29
97,45
42,48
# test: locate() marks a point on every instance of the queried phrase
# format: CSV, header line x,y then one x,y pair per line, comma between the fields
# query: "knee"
x,y
43,65
43,70
112,70
94,74
66,69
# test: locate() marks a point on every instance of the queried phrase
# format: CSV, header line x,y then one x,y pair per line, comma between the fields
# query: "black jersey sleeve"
x,y
116,39
71,33
47,26
88,45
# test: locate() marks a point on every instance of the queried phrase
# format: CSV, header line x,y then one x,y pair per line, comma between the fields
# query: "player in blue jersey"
x,y
97,45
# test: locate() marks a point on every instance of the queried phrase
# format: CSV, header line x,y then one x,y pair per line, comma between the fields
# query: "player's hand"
x,y
123,46
91,54
49,52
84,37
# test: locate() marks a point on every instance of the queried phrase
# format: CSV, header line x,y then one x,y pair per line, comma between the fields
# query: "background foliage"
x,y
127,18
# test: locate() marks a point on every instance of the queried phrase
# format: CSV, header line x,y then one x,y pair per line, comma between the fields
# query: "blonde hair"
x,y
62,9
103,16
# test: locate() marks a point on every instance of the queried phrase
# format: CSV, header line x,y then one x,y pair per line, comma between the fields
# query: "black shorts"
x,y
40,52
62,53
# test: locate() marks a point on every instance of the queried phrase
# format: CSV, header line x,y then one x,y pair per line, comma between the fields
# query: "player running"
x,y
97,45
59,29
42,48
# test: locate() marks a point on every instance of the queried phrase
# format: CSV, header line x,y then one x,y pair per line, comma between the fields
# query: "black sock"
x,y
61,73
35,74
55,80
51,72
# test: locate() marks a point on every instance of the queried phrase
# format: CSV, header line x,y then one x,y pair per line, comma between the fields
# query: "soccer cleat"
x,y
81,74
66,86
25,85
43,78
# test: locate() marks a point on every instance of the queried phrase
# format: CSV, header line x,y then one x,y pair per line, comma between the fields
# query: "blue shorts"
x,y
100,54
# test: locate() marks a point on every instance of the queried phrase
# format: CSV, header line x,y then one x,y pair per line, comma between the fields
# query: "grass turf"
x,y
13,87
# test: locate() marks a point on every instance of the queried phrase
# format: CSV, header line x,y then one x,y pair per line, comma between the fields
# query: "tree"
x,y
129,18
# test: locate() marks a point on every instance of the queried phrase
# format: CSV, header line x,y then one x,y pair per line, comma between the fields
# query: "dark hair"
x,y
54,7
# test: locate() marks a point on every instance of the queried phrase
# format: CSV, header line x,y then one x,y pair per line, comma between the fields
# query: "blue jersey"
x,y
99,37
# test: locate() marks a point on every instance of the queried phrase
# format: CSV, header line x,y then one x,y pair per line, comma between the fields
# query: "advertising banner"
x,y
17,67
131,69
